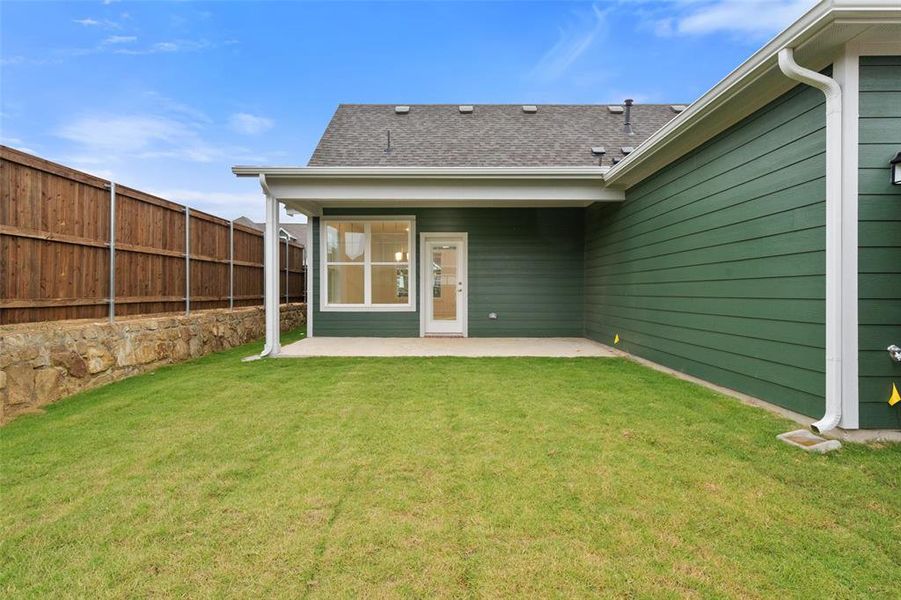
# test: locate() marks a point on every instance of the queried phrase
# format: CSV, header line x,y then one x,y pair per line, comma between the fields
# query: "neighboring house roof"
x,y
491,135
297,231
247,222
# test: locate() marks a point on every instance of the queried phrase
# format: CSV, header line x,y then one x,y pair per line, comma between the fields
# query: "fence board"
x,y
54,249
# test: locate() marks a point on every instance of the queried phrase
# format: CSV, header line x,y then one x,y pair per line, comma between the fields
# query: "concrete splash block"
x,y
809,442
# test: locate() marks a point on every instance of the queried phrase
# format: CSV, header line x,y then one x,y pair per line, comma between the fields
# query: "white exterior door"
x,y
444,284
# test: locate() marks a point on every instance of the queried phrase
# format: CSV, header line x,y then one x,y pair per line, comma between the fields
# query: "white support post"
x,y
231,265
271,277
308,274
112,251
187,260
287,274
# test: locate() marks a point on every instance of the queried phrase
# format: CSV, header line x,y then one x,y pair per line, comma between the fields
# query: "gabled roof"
x,y
492,135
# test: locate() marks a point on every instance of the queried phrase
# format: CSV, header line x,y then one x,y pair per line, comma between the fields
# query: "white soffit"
x,y
309,189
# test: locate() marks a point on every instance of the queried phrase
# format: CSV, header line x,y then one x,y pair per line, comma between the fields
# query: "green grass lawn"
x,y
434,477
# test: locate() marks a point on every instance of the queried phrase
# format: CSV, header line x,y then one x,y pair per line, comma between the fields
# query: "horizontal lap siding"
x,y
526,265
879,238
715,265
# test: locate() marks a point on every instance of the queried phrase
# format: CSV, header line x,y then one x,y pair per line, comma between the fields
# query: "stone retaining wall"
x,y
43,362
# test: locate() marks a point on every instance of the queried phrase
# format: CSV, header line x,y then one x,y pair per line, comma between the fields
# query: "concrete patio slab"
x,y
474,347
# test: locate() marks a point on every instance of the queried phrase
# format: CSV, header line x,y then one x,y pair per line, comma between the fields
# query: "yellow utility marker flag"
x,y
616,339
896,397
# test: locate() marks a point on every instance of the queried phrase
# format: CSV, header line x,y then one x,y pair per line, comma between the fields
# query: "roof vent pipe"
x,y
627,124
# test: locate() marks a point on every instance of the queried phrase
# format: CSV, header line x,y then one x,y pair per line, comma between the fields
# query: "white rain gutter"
x,y
833,93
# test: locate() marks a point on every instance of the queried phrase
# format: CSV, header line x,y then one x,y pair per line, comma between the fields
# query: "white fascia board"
x,y
309,189
760,64
545,191
590,173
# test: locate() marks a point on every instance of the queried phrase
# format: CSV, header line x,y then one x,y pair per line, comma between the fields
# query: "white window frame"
x,y
367,306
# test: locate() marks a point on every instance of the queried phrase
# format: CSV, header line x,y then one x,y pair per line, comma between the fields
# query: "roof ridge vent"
x,y
678,107
616,109
401,109
466,109
529,108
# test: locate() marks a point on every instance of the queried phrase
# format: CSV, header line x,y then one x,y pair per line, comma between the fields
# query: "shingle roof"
x,y
492,135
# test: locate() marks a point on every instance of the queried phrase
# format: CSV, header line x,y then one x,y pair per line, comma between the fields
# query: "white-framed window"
x,y
367,263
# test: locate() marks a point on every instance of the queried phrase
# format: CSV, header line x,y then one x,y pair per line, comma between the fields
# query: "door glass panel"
x,y
444,282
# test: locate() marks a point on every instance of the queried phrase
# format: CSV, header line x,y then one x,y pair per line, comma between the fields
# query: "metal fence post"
x,y
187,260
231,265
112,251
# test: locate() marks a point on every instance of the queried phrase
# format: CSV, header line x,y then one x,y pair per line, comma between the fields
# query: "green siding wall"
x,y
879,261
524,264
715,265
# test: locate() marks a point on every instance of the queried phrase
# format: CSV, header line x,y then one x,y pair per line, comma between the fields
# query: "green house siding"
x,y
525,264
879,238
715,265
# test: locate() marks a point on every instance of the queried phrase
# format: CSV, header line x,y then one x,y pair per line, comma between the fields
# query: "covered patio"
x,y
444,346
504,248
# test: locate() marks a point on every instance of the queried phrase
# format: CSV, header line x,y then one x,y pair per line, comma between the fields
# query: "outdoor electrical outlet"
x,y
492,316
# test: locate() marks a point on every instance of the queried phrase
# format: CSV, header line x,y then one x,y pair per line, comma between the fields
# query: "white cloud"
x,y
229,205
112,137
120,39
170,106
249,124
751,17
16,144
91,22
168,47
573,41
214,202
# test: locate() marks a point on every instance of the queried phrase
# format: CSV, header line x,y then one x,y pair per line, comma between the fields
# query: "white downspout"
x,y
833,93
271,273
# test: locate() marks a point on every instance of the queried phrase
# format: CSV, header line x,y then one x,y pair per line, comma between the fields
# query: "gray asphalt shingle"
x,y
491,135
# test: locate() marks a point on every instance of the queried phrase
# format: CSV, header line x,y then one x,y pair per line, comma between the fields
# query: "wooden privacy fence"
x,y
58,259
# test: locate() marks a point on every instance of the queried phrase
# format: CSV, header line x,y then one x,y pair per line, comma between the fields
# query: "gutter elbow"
x,y
830,88
829,421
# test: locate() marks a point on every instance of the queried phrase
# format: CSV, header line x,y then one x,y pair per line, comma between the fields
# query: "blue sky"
x,y
167,96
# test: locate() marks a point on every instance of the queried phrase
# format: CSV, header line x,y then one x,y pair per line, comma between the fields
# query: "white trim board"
x,y
309,190
367,264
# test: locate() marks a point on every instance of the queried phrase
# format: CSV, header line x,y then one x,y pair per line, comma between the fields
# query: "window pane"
x,y
345,284
345,241
390,241
390,284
